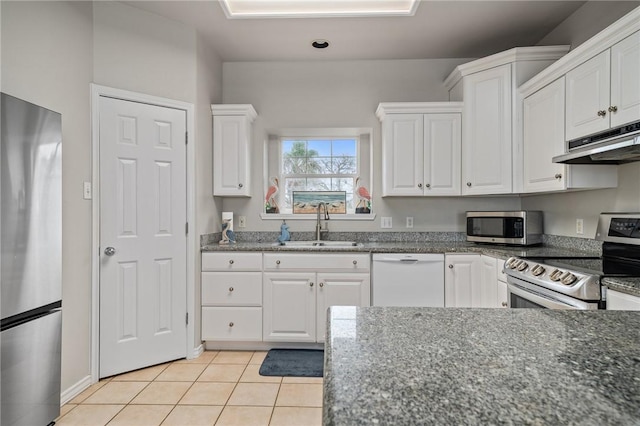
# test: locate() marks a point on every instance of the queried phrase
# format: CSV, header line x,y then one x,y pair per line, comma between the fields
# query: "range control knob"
x,y
514,263
522,265
555,275
568,278
537,270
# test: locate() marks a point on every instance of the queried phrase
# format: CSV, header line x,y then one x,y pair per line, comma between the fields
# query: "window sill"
x,y
290,216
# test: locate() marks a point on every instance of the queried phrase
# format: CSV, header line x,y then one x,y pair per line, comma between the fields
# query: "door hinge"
x,y
186,138
186,319
186,228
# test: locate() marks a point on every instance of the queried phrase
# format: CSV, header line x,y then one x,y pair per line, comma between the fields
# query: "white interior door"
x,y
143,239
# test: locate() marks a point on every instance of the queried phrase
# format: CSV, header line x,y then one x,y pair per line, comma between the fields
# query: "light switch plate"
x,y
579,226
409,222
242,221
386,222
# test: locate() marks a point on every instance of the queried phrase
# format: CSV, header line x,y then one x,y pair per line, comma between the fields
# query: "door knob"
x,y
110,251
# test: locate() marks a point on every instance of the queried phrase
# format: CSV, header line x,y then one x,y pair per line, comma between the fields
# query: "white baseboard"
x,y
75,390
197,351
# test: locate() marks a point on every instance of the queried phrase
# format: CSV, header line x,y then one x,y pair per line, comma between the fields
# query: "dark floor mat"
x,y
293,362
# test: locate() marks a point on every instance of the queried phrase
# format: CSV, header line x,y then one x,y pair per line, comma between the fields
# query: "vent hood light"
x,y
317,8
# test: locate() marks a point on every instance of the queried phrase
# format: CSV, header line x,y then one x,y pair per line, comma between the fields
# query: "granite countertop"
x,y
407,366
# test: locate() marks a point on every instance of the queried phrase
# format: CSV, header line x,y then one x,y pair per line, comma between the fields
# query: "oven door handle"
x,y
538,297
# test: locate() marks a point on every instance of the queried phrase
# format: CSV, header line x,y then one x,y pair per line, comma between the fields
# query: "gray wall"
x,y
51,52
344,94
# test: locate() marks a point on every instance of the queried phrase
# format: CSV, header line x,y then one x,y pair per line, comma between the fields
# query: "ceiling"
x,y
439,29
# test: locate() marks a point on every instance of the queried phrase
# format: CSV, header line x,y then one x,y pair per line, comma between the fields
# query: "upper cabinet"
x,y
420,148
604,91
490,145
543,138
231,153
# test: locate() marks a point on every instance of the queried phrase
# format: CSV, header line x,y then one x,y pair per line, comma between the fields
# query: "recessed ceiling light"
x,y
320,44
317,8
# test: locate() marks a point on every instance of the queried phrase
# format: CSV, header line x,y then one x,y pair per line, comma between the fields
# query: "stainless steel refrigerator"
x,y
30,262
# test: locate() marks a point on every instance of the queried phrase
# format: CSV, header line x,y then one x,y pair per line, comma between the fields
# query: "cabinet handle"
x,y
321,284
311,284
230,261
355,262
428,185
277,262
558,176
450,266
230,324
240,185
419,185
613,108
602,113
505,304
469,184
230,289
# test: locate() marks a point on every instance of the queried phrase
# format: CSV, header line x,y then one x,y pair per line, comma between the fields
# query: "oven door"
x,y
523,294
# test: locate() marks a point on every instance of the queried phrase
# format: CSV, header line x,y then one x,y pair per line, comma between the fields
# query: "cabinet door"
x,y
289,307
442,144
503,295
543,127
486,136
625,81
231,138
588,95
617,301
402,154
336,289
485,295
462,273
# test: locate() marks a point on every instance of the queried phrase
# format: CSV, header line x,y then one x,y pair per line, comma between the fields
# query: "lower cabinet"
x,y
503,293
617,301
295,301
473,281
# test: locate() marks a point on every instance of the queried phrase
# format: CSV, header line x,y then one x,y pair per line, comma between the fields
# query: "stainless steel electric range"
x,y
574,282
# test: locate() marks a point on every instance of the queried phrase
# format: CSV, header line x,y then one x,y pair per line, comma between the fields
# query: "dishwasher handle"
x,y
406,260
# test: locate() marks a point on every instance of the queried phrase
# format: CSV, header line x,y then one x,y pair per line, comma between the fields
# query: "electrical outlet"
x,y
242,221
409,222
386,222
86,191
579,226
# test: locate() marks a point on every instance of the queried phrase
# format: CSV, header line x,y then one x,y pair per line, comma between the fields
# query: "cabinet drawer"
x,y
232,288
501,275
231,261
355,262
236,324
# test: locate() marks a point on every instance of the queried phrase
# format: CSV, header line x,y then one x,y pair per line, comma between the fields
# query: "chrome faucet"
x,y
326,217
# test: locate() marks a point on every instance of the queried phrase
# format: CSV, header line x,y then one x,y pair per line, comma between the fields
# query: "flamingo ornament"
x,y
362,194
271,194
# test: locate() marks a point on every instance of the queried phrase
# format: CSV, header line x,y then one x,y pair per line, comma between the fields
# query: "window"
x,y
317,160
318,165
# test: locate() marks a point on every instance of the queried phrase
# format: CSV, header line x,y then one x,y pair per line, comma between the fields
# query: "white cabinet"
x,y
543,139
231,149
474,281
231,288
420,148
604,91
486,141
461,277
491,144
503,294
299,288
617,301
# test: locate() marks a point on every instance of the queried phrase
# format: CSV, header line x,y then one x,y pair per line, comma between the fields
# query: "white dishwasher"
x,y
408,280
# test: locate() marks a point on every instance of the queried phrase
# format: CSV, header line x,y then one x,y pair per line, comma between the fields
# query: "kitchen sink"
x,y
319,244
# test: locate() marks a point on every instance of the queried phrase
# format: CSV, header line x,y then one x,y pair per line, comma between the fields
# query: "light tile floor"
x,y
218,388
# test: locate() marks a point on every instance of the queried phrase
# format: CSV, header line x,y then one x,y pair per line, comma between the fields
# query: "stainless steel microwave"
x,y
521,228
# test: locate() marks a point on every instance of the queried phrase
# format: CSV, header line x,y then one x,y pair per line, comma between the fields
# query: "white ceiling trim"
x,y
258,9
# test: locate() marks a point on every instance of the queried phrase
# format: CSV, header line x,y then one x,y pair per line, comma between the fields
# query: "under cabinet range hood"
x,y
615,146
